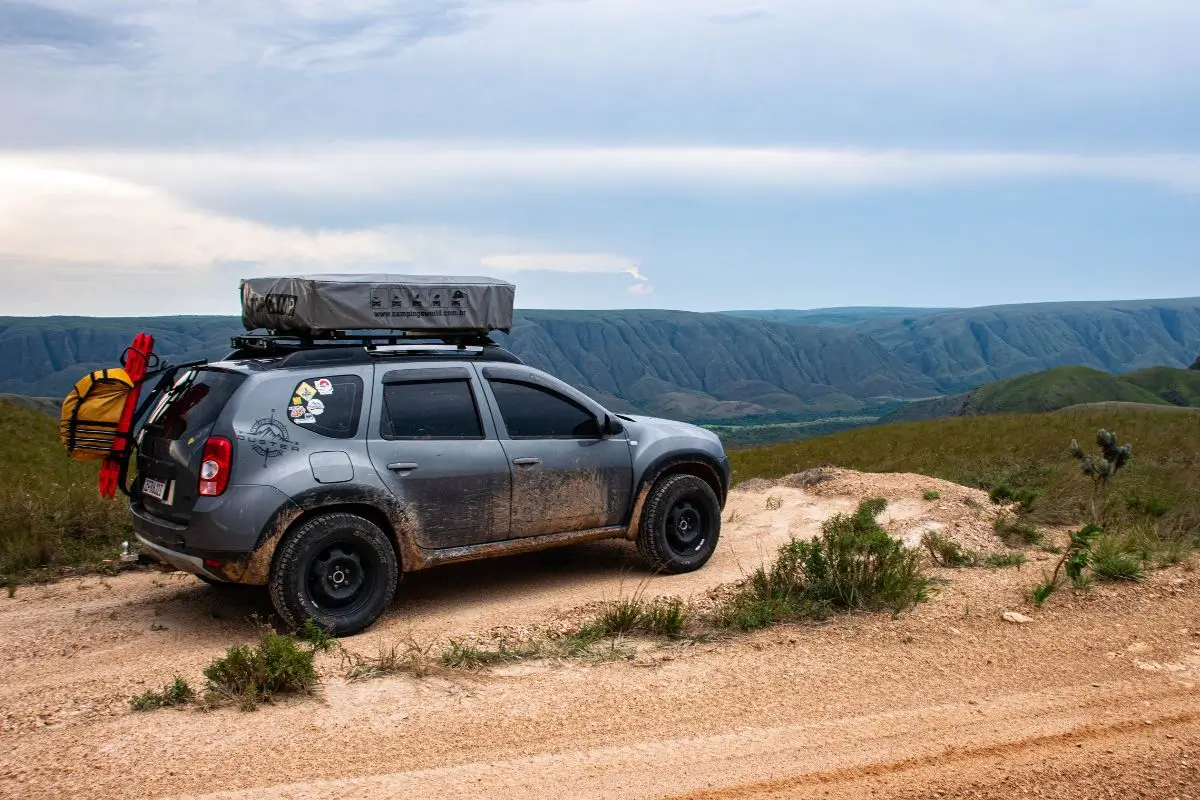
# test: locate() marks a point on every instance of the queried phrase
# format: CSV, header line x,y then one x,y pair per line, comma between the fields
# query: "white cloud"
x,y
395,168
569,262
640,289
99,238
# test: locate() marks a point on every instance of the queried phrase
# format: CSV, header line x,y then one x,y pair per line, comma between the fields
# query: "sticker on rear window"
x,y
327,405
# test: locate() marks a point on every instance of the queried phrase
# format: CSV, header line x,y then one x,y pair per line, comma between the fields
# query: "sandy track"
x,y
947,697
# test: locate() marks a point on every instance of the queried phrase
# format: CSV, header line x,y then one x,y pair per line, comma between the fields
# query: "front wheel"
x,y
338,570
680,525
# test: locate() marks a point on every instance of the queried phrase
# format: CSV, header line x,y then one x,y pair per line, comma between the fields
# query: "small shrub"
x,y
1042,591
175,693
1022,496
932,494
774,503
853,565
1150,507
1110,561
1004,560
1017,532
320,639
946,552
252,674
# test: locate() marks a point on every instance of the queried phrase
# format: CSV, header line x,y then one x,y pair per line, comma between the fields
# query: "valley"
x,y
734,369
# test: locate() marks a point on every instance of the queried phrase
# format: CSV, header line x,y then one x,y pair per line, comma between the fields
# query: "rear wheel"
x,y
338,570
680,525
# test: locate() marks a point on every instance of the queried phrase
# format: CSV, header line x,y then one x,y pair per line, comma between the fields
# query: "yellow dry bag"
x,y
91,413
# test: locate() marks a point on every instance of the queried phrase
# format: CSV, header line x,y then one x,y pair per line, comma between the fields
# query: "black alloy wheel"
x,y
680,524
338,570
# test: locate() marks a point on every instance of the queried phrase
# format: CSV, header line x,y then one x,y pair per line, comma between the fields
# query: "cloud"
x,y
640,289
571,263
25,24
97,238
347,39
397,168
738,17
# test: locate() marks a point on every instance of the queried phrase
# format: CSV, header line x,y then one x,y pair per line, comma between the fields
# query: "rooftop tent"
x,y
311,305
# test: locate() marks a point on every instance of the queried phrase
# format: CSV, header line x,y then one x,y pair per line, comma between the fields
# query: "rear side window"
x,y
531,412
430,410
192,403
328,404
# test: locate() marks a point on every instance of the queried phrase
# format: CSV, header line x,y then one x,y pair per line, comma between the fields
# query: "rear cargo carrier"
x,y
318,305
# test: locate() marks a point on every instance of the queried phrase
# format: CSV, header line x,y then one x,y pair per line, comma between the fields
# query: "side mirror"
x,y
612,425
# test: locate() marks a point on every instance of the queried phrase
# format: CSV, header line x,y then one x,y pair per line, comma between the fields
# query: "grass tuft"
x,y
408,657
1112,561
1018,531
946,552
1004,560
932,494
175,693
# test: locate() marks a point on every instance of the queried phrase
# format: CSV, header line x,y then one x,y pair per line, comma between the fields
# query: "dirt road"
x,y
1098,696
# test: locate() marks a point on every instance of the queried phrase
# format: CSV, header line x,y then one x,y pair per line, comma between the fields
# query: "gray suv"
x,y
324,472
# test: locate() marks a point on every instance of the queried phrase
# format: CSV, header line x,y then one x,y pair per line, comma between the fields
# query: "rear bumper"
x,y
231,524
180,561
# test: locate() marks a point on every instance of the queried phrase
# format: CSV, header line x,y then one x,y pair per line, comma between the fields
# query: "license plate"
x,y
154,488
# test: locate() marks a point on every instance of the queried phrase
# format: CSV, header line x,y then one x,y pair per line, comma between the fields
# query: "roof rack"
x,y
272,343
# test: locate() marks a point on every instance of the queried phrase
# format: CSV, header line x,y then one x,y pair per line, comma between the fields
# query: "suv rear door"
x,y
567,476
171,442
434,445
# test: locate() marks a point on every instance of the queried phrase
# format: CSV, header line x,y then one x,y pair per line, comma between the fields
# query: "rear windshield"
x,y
193,402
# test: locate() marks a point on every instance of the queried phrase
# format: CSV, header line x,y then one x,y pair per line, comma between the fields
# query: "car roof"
x,y
305,358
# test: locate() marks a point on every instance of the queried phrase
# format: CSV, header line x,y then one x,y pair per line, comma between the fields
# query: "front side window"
x,y
531,412
327,404
442,409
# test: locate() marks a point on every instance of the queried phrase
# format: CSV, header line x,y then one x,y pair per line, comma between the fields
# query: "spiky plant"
x,y
1100,468
1103,467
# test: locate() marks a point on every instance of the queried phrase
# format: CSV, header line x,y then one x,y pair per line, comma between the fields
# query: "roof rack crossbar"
x,y
270,343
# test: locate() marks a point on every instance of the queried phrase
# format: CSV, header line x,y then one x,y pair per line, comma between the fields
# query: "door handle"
x,y
525,462
403,466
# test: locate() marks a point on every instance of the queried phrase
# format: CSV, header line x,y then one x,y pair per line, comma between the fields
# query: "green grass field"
x,y
50,512
1159,494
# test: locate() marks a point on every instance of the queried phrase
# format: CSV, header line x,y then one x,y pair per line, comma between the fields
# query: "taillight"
x,y
215,466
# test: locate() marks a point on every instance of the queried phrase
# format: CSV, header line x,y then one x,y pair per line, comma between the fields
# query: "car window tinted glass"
x,y
430,410
192,404
328,405
531,412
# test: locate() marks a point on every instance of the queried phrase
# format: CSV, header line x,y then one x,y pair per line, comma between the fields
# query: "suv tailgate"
x,y
171,442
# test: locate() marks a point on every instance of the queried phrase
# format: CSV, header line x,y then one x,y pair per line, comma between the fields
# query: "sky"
x,y
688,154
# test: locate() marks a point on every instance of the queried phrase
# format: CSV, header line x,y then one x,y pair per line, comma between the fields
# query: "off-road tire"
x,y
659,533
298,583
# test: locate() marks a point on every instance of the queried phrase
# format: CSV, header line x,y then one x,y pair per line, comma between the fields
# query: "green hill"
x,y
50,511
1179,387
1062,387
1057,388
